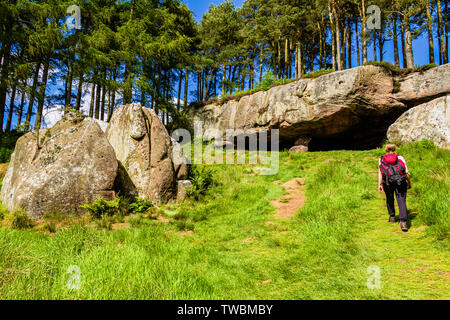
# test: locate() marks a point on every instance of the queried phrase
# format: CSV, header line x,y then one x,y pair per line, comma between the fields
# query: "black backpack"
x,y
394,170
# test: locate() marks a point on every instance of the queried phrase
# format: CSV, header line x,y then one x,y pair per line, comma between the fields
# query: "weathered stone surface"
x,y
179,161
349,108
430,121
181,188
298,149
56,171
103,124
144,150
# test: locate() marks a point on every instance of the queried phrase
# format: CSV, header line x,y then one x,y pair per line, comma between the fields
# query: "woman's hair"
x,y
390,147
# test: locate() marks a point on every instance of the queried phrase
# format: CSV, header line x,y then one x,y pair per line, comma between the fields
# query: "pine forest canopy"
x,y
154,52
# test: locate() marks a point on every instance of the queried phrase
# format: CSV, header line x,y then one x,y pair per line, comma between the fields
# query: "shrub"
x,y
50,226
106,222
316,74
201,178
184,225
5,154
19,219
7,144
141,206
101,208
3,211
426,67
124,206
397,86
267,81
387,66
396,71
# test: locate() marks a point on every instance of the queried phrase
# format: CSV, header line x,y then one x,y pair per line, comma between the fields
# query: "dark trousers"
x,y
400,192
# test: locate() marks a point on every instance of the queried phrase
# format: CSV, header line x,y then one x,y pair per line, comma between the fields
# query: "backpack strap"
x,y
401,166
383,168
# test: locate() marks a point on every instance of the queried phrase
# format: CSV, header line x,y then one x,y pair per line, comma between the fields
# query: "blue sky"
x,y
201,6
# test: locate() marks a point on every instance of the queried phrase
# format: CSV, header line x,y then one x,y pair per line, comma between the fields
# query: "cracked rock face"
x,y
144,151
430,121
346,109
56,170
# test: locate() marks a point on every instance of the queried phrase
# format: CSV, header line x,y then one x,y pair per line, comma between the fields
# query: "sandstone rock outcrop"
x,y
55,170
347,109
430,121
144,150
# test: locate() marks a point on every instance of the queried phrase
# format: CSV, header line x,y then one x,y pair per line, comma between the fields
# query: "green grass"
x,y
228,245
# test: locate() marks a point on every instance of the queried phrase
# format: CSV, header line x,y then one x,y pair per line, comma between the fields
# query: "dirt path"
x,y
288,205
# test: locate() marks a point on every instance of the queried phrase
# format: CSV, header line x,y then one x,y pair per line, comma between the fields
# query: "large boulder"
x,y
430,121
55,170
144,150
346,109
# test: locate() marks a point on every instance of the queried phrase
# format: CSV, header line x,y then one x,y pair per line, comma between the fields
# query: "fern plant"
x,y
101,208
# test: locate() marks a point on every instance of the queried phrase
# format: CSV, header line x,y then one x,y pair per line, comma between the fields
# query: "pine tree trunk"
x,y
180,82
102,112
374,37
11,108
446,28
186,88
381,42
349,44
442,49
430,33
43,86
333,36
113,96
205,86
224,78
128,85
109,112
98,96
261,63
357,44
286,59
69,87
324,41
22,104
299,59
408,43
91,107
32,96
363,32
403,43
338,40
279,60
79,92
297,73
320,47
343,46
6,48
395,36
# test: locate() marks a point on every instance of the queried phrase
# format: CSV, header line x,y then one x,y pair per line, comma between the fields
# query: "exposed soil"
x,y
288,205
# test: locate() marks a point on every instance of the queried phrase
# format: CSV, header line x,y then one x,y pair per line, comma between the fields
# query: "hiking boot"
x,y
392,220
404,226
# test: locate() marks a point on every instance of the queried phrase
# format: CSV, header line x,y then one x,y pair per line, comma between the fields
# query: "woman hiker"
x,y
393,178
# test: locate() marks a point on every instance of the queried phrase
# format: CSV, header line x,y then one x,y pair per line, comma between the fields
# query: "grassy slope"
x,y
234,253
